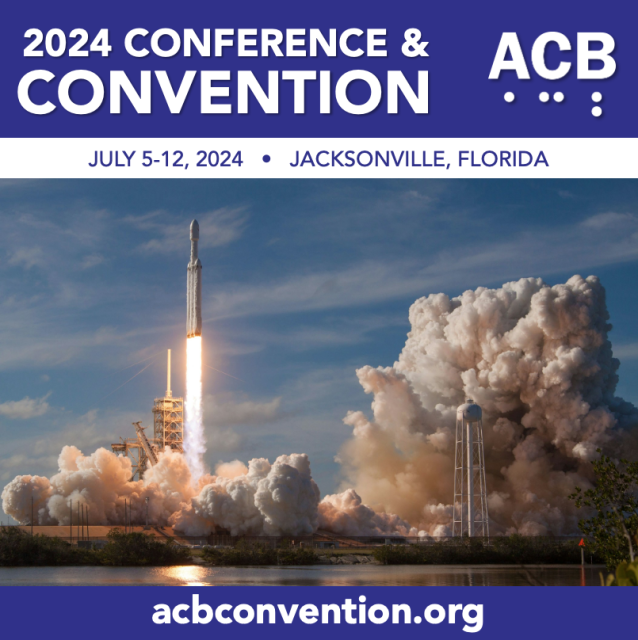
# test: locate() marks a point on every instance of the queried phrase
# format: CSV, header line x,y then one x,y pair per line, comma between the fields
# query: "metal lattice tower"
x,y
470,494
131,447
168,418
168,431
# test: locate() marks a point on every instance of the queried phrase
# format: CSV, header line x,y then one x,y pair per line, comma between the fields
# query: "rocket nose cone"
x,y
194,230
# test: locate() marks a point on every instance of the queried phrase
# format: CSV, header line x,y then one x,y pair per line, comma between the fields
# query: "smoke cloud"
x,y
345,514
261,499
25,409
536,358
539,362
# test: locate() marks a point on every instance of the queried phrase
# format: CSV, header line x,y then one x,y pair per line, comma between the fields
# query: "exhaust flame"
x,y
194,443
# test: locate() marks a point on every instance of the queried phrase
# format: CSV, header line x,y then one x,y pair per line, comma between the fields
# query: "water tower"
x,y
470,495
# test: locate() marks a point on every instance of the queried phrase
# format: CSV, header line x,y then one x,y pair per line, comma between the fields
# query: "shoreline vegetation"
x,y
260,555
510,550
18,548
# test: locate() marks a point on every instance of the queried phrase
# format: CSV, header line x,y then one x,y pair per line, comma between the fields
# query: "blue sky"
x,y
303,282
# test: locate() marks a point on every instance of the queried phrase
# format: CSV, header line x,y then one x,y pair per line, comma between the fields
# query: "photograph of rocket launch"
x,y
337,330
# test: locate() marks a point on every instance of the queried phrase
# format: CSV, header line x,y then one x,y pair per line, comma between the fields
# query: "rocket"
x,y
194,287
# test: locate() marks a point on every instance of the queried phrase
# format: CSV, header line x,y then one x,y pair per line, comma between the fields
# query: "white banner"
x,y
318,158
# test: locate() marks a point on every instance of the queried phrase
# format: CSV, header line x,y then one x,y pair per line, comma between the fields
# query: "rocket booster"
x,y
194,287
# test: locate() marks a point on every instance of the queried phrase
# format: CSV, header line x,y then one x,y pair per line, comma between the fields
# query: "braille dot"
x,y
596,112
509,97
544,96
266,158
596,96
559,96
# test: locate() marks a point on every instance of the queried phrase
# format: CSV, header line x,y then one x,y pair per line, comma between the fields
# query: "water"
x,y
340,575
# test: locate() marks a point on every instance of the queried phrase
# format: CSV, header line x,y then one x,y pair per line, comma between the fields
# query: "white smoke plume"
x,y
539,362
194,439
277,499
102,483
344,513
261,499
536,358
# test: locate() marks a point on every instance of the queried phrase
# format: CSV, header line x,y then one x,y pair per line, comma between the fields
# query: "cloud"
x,y
25,409
602,220
30,339
364,216
351,286
39,453
231,470
27,258
538,361
222,440
334,331
627,351
92,260
226,410
52,319
467,262
217,228
320,387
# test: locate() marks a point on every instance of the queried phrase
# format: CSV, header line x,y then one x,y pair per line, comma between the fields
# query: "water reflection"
x,y
189,576
340,575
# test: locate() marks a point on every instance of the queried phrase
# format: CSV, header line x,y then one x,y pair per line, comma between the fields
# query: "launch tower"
x,y
168,418
470,495
168,432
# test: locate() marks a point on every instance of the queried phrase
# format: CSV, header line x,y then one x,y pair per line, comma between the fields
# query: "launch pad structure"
x,y
168,432
168,417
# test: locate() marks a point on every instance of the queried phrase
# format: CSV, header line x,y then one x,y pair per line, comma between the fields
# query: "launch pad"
x,y
168,432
